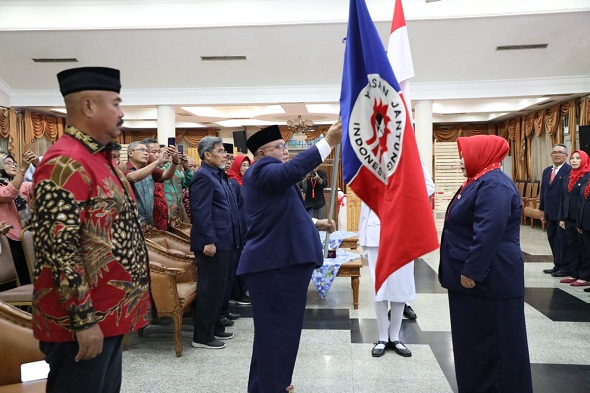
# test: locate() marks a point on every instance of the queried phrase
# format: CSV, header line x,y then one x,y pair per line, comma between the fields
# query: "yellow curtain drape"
x,y
450,132
585,111
287,133
9,129
38,125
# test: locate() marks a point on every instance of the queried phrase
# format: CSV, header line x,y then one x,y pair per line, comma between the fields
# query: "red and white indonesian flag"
x,y
380,159
399,54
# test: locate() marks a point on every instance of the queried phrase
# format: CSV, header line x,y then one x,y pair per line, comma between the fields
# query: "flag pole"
x,y
333,191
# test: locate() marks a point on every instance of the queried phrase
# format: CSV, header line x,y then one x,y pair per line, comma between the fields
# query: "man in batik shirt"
x,y
91,273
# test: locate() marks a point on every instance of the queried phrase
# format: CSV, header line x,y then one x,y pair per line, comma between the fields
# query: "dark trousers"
x,y
239,288
584,271
211,279
557,242
490,344
278,305
572,253
99,375
232,265
20,262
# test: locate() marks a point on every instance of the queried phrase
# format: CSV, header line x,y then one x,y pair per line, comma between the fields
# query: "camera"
x,y
312,174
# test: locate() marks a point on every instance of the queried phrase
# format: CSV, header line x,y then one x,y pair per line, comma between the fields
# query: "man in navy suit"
x,y
282,249
215,239
551,188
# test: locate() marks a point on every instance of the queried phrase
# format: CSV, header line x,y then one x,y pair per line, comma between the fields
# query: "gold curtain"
x,y
193,137
9,129
137,135
585,111
38,124
450,132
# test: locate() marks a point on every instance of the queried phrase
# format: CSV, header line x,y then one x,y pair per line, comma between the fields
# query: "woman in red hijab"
x,y
481,266
239,291
571,196
238,168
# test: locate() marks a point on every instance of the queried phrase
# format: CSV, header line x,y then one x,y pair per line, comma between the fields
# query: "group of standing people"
x,y
565,191
92,275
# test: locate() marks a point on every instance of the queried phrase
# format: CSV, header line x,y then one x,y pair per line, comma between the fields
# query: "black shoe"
x,y
379,349
409,313
550,271
400,349
215,344
224,336
244,301
587,290
227,322
233,316
560,273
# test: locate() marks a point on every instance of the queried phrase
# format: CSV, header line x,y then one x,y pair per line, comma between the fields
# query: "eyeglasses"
x,y
141,149
219,151
245,165
9,163
558,153
280,146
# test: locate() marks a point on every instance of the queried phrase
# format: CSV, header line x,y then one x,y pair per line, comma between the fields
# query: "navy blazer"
x,y
214,210
550,197
570,200
481,239
280,232
583,219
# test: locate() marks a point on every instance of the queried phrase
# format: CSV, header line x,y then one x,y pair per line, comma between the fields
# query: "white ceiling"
x,y
294,54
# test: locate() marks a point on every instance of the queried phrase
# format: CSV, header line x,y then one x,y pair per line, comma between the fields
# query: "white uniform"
x,y
400,286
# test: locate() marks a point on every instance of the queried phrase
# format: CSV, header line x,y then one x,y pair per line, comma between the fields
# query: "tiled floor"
x,y
336,341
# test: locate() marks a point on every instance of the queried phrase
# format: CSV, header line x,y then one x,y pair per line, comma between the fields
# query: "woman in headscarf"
x,y
14,207
568,214
238,167
583,227
241,163
482,267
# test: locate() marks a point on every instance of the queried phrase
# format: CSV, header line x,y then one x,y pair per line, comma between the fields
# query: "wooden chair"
x,y
167,244
180,229
17,346
174,289
22,295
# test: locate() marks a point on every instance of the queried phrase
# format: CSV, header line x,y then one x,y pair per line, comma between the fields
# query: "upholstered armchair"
x,y
22,295
180,229
174,289
167,244
17,346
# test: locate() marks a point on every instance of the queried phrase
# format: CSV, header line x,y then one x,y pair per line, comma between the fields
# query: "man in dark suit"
x,y
282,249
551,188
215,239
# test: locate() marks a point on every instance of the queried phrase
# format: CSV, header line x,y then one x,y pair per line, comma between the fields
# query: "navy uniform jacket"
x,y
570,200
280,232
551,193
481,239
583,219
214,211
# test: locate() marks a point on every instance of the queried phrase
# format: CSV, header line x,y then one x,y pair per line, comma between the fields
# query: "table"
x,y
346,264
352,269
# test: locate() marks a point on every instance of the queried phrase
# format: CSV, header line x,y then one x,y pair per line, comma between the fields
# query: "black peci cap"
x,y
89,78
262,137
229,148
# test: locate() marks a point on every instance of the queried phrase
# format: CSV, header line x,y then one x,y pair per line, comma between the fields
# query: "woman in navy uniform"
x,y
572,189
482,267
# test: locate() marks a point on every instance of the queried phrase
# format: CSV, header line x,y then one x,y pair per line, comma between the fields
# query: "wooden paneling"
x,y
448,176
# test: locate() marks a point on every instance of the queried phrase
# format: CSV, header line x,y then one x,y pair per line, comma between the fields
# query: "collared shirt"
x,y
174,187
144,193
91,259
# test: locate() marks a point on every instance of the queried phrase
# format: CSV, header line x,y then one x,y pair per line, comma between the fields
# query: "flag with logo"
x,y
380,159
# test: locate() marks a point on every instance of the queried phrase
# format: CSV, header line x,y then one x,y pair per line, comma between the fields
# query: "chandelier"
x,y
300,126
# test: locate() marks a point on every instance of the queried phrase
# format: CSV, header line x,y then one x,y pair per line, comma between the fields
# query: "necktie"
x,y
552,175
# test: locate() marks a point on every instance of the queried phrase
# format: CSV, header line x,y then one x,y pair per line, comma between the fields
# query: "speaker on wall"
x,y
240,141
585,139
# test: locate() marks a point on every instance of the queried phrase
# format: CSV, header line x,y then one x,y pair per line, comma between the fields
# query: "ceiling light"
x,y
522,47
